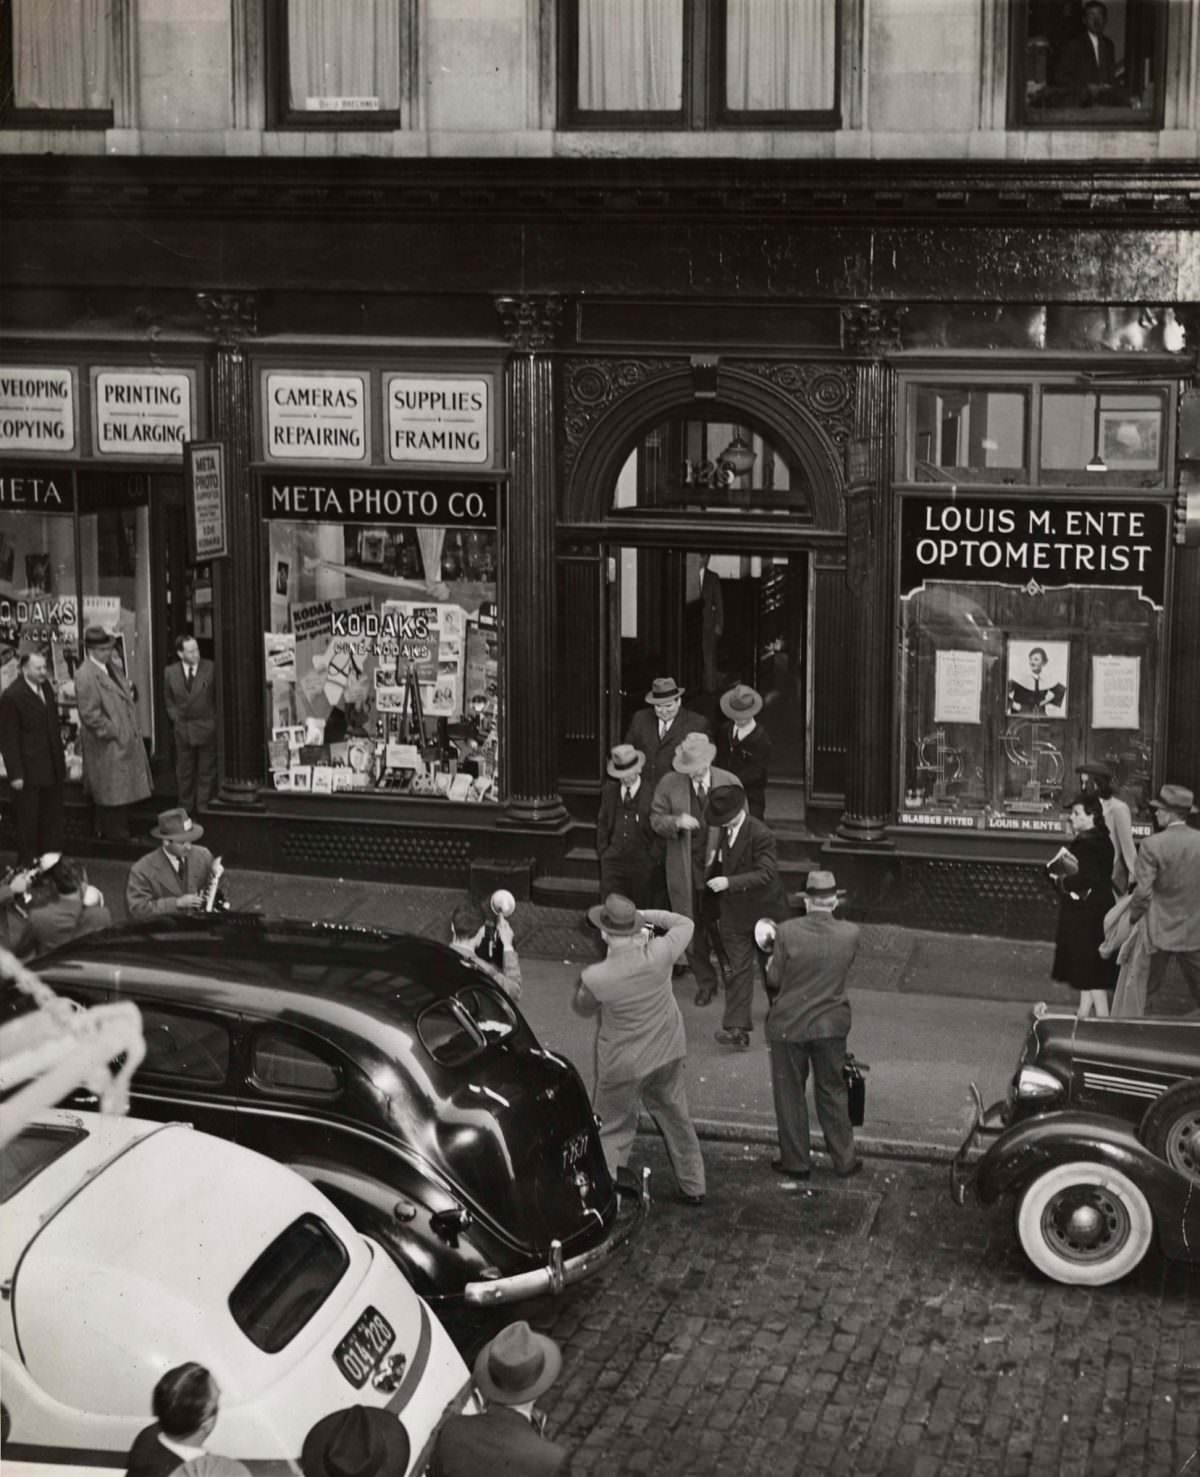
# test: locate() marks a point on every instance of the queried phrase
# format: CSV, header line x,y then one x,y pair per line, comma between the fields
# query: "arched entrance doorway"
x,y
704,536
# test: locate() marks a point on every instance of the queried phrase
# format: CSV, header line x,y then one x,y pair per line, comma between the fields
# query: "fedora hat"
x,y
625,762
741,702
616,914
724,803
176,825
96,636
517,1365
360,1441
663,690
820,883
1175,797
694,755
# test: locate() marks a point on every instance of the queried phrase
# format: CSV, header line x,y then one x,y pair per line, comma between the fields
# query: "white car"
x,y
128,1247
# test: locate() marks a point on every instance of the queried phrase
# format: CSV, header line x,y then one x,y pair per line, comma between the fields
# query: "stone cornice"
x,y
878,192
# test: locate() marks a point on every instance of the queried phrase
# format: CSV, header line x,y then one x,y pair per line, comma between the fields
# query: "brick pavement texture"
x,y
873,1330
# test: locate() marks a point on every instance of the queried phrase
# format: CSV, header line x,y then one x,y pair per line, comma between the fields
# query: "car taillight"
x,y
1034,1084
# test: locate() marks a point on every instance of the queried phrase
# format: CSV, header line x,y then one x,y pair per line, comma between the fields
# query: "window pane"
x,y
184,1046
631,56
344,58
963,434
718,465
62,54
288,1283
1092,67
282,1063
1115,437
780,55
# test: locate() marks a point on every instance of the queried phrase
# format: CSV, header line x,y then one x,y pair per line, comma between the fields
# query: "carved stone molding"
x,y
530,323
872,329
590,386
824,392
229,316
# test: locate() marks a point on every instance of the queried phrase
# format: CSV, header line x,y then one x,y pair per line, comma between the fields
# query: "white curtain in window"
x,y
631,55
780,54
340,53
62,54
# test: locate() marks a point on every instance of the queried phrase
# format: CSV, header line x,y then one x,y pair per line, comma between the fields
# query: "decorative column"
x,y
530,324
872,330
231,318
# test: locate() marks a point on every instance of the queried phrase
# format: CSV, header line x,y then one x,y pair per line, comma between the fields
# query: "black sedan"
x,y
387,1069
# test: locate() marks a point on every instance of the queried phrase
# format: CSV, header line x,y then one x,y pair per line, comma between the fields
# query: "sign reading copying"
x,y
204,468
442,419
315,417
141,413
37,408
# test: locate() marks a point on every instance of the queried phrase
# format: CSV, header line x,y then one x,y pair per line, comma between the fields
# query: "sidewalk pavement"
x,y
932,1012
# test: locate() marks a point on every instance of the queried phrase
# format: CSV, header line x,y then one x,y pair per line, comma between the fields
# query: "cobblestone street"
x,y
866,1328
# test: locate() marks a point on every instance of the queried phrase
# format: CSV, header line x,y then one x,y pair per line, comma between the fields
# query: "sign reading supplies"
x,y
1049,544
204,469
438,419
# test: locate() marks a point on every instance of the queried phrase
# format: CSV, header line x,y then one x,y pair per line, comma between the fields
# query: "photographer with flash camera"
x,y
63,906
489,940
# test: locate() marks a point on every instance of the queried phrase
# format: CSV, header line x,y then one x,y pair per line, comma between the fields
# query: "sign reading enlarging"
x,y
204,481
378,499
141,413
985,540
37,408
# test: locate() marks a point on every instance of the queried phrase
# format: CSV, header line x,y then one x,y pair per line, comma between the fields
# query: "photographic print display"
x,y
1037,677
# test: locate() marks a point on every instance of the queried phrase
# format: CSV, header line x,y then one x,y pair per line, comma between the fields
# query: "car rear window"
x,y
456,1031
33,1149
287,1283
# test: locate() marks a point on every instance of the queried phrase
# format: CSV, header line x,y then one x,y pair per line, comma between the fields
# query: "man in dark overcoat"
x,y
658,729
116,771
630,853
744,745
31,743
189,690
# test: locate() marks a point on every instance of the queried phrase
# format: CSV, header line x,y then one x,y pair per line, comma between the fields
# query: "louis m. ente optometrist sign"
x,y
1036,544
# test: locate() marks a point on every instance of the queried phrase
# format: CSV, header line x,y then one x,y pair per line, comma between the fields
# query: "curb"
x,y
719,1131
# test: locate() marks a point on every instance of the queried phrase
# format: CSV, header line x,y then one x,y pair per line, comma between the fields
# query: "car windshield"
x,y
24,1157
287,1283
455,1031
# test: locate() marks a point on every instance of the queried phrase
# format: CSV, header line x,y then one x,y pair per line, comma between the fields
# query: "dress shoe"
x,y
855,1168
792,1174
733,1037
705,997
685,1199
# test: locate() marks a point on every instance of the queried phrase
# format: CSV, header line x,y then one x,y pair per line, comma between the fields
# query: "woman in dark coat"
x,y
1086,896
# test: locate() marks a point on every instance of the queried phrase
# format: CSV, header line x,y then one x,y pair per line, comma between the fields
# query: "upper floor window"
x,y
700,63
1089,65
57,64
333,65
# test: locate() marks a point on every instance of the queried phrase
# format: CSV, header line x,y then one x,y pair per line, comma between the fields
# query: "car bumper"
x,y
560,1271
986,1123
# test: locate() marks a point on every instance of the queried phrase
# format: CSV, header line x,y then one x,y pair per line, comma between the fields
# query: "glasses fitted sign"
x,y
442,418
1051,545
315,417
37,408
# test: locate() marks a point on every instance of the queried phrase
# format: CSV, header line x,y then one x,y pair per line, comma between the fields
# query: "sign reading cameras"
x,y
1051,545
438,419
315,417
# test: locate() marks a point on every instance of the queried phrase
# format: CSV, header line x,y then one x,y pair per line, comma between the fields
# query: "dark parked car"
x,y
389,1071
1099,1141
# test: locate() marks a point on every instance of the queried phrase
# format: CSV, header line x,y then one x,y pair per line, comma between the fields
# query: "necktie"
x,y
701,791
626,794
189,674
663,725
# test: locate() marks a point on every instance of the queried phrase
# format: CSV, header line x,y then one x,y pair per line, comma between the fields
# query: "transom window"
x,y
700,63
57,63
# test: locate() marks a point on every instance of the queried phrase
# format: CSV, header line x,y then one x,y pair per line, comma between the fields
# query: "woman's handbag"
x,y
856,1088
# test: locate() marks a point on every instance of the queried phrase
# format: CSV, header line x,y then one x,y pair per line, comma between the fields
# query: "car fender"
x,y
1029,1148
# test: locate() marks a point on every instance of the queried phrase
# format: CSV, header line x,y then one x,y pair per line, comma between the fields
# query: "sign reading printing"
x,y
37,408
141,413
439,419
984,540
315,417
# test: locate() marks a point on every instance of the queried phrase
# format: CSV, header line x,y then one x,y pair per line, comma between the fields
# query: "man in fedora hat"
x,y
679,814
116,771
743,877
511,1371
629,851
359,1441
31,743
1167,890
659,728
174,877
640,1043
744,745
807,1025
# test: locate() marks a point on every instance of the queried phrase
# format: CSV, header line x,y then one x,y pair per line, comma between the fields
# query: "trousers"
x,y
1189,967
740,971
790,1062
195,774
38,813
664,1097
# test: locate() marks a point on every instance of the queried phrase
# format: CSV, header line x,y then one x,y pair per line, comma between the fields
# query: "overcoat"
x,y
752,867
1086,898
154,884
672,799
30,737
115,768
643,734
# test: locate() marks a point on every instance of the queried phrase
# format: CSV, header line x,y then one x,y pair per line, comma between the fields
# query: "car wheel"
x,y
1171,1129
1085,1224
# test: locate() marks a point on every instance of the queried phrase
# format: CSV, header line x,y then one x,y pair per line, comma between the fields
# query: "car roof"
x,y
131,1231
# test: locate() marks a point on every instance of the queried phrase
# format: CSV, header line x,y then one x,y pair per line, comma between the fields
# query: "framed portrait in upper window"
x,y
1131,439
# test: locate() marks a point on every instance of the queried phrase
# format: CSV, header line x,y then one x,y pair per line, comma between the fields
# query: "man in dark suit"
x,y
188,687
512,1370
185,1403
65,906
176,876
807,1025
742,876
744,745
630,853
31,743
659,729
1087,64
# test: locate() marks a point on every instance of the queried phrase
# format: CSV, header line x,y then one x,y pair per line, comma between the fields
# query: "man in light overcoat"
x,y
1167,890
116,771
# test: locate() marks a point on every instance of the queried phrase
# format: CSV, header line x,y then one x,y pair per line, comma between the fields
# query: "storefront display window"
x,y
382,648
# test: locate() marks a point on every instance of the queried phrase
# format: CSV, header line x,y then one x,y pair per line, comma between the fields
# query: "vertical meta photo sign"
x,y
204,480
